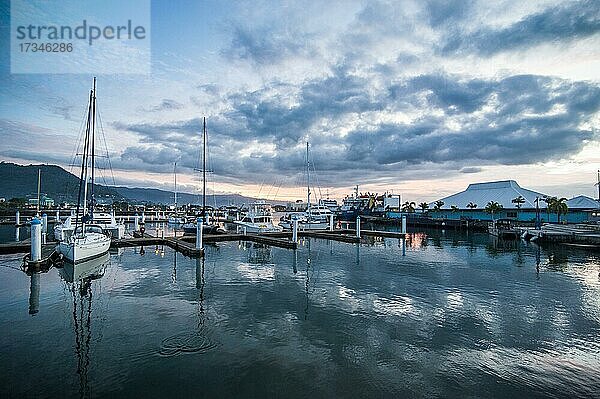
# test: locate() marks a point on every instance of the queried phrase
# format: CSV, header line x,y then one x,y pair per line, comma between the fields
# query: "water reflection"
x,y
200,338
447,321
79,278
34,294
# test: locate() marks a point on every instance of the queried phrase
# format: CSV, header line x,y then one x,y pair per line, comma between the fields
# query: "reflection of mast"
x,y
34,294
308,261
200,283
174,273
82,320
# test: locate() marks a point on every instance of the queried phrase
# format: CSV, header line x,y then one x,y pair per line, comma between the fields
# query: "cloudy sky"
x,y
419,97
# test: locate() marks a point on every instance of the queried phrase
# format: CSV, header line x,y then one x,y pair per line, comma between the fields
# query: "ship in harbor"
x,y
367,204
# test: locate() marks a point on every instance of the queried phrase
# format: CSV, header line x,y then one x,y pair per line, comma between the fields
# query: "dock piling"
x,y
36,240
136,223
358,226
57,217
295,230
331,222
199,243
404,224
44,227
17,218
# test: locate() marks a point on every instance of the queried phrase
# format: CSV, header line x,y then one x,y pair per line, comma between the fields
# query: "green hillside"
x,y
18,181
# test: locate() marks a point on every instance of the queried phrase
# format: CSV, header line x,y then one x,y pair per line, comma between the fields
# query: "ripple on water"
x,y
187,342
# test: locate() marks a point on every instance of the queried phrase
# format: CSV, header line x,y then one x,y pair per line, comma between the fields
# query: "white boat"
x,y
88,240
258,219
176,219
316,217
107,221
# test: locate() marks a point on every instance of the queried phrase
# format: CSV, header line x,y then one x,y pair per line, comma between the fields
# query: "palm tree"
x,y
519,201
424,206
409,207
471,205
438,205
549,201
454,208
493,207
558,206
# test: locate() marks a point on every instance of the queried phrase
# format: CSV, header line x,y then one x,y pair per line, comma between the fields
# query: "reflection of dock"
x,y
186,244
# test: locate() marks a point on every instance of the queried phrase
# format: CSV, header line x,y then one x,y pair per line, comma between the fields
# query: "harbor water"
x,y
439,314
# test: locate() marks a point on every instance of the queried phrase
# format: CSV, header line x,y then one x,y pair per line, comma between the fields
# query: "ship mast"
x,y
598,184
307,179
38,192
83,177
93,131
204,169
175,181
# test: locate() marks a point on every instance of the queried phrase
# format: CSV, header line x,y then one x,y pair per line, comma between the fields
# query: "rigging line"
x,y
278,187
317,181
261,185
77,147
106,148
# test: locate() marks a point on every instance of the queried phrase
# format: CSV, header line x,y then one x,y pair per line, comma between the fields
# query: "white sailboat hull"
x,y
257,227
85,247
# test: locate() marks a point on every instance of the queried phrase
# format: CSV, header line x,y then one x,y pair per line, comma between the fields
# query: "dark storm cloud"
x,y
569,21
516,120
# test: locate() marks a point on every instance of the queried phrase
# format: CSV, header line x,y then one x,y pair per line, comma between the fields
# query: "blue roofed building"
x,y
471,203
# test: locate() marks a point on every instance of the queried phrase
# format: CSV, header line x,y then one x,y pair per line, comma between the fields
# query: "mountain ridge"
x,y
20,181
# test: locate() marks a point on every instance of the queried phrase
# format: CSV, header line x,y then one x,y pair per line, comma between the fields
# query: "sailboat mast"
x,y
84,167
598,184
38,192
307,179
204,169
175,177
93,138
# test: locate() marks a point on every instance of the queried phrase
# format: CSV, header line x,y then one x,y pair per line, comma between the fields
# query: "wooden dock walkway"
x,y
186,244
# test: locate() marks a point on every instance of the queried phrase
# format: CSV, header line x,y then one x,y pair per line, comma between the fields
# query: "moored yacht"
x,y
107,221
258,219
88,240
316,217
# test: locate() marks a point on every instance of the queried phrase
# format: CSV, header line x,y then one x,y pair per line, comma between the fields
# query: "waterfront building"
x,y
470,204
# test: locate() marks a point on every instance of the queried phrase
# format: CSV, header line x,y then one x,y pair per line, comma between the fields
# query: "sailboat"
x,y
176,218
108,222
207,228
88,239
316,216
